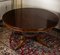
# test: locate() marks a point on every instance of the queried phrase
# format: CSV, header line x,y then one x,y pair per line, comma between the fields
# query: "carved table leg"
x,y
17,40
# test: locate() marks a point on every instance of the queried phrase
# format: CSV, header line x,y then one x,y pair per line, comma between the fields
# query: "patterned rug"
x,y
31,47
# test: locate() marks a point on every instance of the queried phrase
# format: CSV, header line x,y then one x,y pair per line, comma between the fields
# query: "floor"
x,y
5,45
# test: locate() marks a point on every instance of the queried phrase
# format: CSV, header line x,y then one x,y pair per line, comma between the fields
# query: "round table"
x,y
28,22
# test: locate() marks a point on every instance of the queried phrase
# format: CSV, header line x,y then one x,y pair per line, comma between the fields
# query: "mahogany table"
x,y
28,22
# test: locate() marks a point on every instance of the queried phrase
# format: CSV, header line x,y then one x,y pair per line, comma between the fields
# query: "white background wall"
x,y
4,7
53,5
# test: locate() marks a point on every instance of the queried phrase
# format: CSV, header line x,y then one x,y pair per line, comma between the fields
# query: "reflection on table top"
x,y
30,18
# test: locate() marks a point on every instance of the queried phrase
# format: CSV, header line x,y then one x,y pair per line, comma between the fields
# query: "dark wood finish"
x,y
32,19
28,20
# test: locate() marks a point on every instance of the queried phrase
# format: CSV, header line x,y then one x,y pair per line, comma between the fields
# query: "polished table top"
x,y
30,19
